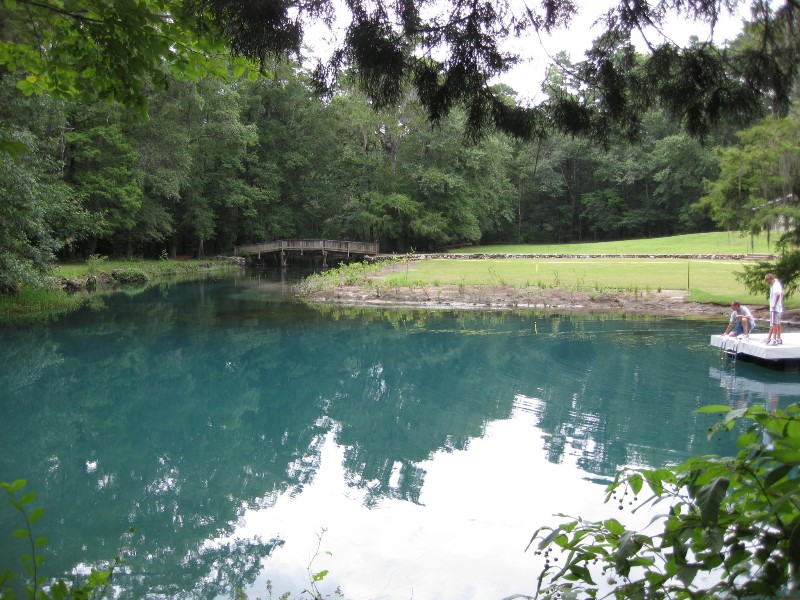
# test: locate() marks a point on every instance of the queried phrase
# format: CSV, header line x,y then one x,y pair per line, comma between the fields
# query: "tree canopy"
x,y
448,51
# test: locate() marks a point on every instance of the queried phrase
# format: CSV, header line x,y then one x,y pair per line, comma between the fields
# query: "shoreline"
x,y
489,297
666,303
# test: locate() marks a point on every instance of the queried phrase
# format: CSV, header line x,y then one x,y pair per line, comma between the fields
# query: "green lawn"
x,y
707,280
720,242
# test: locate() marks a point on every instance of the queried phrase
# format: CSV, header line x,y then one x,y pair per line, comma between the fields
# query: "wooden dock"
x,y
285,247
752,348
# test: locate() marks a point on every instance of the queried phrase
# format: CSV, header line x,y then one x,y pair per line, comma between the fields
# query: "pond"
x,y
220,436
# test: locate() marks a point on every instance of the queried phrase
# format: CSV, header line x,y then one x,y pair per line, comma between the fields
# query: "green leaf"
x,y
748,438
319,576
20,534
6,575
636,481
18,485
687,573
562,541
59,591
28,498
581,573
36,514
709,497
777,474
712,562
655,579
614,527
786,456
714,408
40,541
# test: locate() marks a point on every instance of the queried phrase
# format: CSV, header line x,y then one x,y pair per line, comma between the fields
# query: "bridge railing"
x,y
309,245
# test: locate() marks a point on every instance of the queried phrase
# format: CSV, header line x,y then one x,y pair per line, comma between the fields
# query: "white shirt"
x,y
741,312
776,296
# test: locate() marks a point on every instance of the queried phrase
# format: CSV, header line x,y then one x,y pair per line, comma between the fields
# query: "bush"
x,y
130,276
734,519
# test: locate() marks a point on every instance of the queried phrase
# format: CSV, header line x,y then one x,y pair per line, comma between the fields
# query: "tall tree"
x,y
101,165
39,214
759,182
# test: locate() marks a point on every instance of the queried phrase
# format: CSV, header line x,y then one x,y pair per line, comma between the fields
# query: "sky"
x,y
527,76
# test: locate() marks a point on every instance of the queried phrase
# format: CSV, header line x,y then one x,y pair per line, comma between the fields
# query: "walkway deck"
x,y
786,356
339,247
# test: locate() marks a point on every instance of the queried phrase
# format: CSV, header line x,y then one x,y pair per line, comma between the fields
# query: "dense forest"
x,y
219,163
244,156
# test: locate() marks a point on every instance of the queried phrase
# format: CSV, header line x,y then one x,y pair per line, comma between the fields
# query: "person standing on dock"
x,y
741,320
775,309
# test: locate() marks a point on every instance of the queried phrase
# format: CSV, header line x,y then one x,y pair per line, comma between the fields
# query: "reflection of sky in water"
x,y
230,427
465,538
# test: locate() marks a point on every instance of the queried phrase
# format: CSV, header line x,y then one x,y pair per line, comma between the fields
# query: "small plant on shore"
x,y
95,264
345,274
495,278
580,280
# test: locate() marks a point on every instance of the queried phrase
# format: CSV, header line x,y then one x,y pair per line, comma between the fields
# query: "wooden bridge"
x,y
284,247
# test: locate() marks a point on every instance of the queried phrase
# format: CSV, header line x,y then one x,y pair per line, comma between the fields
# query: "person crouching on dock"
x,y
741,322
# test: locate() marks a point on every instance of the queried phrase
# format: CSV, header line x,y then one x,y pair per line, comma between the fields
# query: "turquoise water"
x,y
238,431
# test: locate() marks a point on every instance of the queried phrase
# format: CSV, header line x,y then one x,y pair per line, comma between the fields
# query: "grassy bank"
x,y
32,305
152,269
706,280
718,242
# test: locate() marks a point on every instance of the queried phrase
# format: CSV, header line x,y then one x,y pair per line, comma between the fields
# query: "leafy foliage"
x,y
448,53
96,49
731,527
451,52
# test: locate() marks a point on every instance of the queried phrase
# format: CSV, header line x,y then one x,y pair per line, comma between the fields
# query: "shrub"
x,y
734,519
131,276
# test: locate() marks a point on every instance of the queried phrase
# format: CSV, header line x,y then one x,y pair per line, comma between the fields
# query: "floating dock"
x,y
753,349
